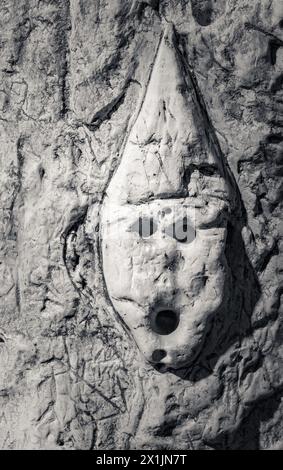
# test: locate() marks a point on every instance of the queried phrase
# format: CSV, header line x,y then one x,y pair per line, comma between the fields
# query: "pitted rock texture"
x,y
87,91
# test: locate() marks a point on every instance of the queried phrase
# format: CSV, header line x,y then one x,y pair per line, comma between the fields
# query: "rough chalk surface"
x,y
140,229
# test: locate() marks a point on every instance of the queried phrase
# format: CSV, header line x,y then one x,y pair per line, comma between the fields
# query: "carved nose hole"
x,y
158,354
164,322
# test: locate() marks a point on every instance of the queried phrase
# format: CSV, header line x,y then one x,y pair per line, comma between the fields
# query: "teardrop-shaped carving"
x,y
168,286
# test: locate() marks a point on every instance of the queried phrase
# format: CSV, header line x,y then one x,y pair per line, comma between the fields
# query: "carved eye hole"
x,y
144,226
181,230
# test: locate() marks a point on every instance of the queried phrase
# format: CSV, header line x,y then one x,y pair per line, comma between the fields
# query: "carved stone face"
x,y
163,222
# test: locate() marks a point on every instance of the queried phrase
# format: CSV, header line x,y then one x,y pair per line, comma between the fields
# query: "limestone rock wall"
x,y
73,77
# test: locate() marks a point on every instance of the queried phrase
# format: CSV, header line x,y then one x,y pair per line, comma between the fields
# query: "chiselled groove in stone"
x,y
62,38
77,219
106,112
266,33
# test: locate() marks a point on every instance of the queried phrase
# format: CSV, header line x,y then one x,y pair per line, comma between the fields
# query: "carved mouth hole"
x,y
158,354
164,322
